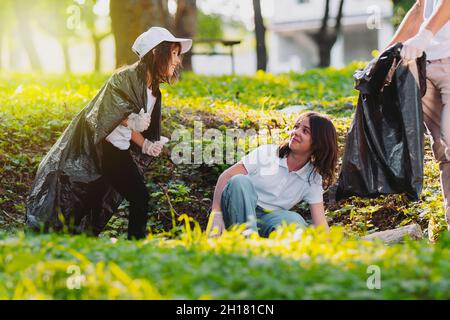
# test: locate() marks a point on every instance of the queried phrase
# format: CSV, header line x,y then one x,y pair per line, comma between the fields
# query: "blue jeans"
x,y
239,205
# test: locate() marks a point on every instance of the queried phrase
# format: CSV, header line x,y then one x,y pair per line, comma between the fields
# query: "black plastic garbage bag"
x,y
384,148
69,192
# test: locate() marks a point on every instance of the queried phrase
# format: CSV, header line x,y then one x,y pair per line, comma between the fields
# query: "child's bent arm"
x,y
237,168
137,138
318,215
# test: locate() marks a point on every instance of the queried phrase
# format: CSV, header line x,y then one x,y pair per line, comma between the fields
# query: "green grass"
x,y
289,265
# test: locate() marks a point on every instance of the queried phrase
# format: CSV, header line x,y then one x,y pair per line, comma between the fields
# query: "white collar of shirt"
x,y
276,187
303,172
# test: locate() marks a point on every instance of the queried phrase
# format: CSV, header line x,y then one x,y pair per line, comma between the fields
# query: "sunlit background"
x,y
53,25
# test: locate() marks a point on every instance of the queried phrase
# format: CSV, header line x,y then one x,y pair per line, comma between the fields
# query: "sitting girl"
x,y
260,189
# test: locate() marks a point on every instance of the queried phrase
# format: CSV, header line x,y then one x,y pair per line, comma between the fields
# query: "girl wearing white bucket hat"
x,y
98,160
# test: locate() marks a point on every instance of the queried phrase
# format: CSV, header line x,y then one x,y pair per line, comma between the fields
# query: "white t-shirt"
x,y
276,187
439,47
120,137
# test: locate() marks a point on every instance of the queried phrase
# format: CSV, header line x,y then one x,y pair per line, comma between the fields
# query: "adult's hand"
x,y
415,46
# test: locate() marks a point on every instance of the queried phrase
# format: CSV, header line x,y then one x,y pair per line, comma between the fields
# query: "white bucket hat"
x,y
154,36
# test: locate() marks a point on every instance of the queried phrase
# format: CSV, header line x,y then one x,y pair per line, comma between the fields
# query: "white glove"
x,y
139,122
163,140
152,148
415,46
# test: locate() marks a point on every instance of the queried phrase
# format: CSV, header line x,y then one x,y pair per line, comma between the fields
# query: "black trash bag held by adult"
x,y
384,147
69,192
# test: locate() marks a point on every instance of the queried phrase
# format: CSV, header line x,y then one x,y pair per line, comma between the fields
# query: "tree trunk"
x,y
165,17
90,18
21,8
325,47
260,33
97,53
65,50
325,38
128,20
186,26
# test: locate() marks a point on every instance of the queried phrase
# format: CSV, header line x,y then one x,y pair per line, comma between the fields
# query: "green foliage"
x,y
329,89
6,15
401,7
209,26
53,16
289,265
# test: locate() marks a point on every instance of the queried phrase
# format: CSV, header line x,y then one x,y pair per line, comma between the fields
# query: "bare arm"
x,y
318,215
410,24
440,16
137,138
237,168
216,224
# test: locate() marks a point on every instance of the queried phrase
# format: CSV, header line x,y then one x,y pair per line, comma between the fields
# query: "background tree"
x,y
129,19
61,19
64,20
5,24
326,37
260,33
23,10
91,18
209,26
185,26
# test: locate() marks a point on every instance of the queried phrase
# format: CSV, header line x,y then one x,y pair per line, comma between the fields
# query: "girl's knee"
x,y
289,217
280,219
239,180
239,184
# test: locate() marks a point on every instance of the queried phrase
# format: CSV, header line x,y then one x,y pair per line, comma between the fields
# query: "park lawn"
x,y
289,265
35,109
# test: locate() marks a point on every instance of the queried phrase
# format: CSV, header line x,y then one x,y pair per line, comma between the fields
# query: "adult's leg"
x,y
436,112
122,173
268,222
239,201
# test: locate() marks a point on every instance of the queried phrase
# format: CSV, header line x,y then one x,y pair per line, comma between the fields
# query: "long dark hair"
x,y
324,146
156,63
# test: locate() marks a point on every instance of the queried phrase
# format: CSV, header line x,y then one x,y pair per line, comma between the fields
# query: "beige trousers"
x,y
436,114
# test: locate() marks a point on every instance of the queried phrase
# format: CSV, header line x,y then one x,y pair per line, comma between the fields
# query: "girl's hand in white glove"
x,y
152,148
139,122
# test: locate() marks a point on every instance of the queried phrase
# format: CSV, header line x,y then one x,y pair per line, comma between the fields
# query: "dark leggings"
x,y
121,172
